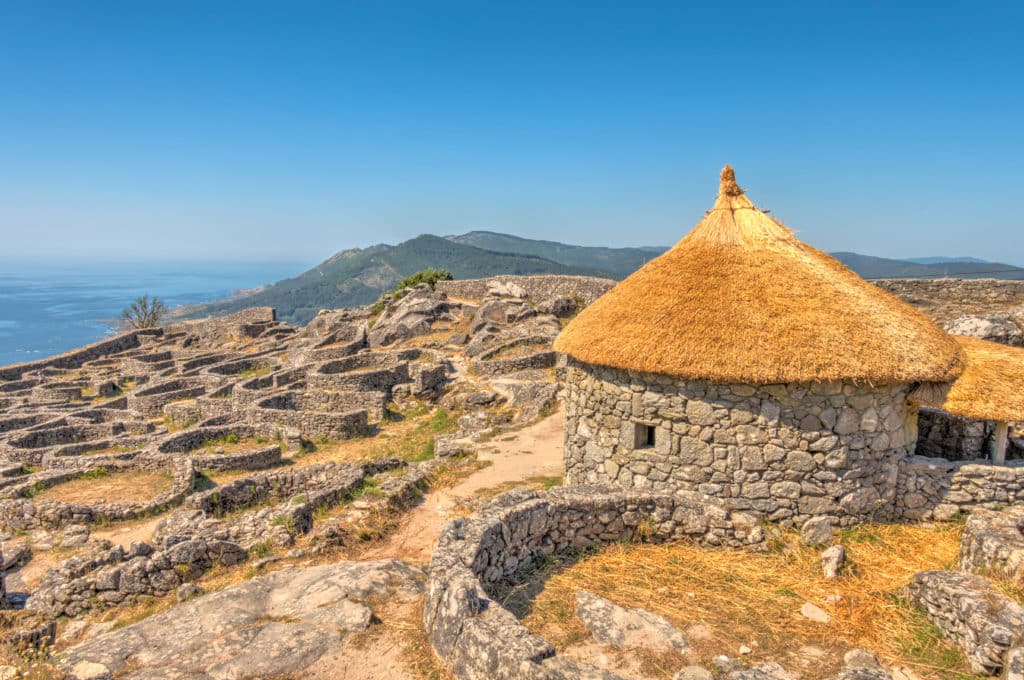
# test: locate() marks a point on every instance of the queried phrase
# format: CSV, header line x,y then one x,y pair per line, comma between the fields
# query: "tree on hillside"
x,y
144,312
430,276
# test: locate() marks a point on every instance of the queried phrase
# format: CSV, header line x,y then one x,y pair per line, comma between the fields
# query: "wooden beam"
x,y
999,442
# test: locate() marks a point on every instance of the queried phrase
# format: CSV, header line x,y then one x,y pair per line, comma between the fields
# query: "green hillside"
x,y
357,277
619,262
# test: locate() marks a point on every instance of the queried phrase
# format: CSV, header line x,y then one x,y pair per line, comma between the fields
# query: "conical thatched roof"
x,y
990,388
741,299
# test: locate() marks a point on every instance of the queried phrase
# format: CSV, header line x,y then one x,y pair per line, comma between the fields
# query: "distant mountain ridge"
x,y
619,262
358,276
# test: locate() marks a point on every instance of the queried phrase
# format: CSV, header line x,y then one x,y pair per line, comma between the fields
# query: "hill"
x,y
358,276
942,260
883,268
619,262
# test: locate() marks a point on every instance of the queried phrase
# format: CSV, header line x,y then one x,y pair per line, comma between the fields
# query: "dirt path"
x,y
534,451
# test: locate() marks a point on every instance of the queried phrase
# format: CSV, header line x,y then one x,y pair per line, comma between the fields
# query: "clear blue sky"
x,y
291,130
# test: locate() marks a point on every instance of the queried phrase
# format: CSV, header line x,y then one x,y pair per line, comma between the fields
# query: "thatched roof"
x,y
741,299
990,388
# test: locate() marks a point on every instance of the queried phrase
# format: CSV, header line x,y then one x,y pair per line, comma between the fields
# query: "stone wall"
x,y
275,414
993,544
943,435
252,315
259,488
149,402
985,292
23,514
477,637
75,358
538,288
255,459
983,621
785,452
113,576
195,438
940,489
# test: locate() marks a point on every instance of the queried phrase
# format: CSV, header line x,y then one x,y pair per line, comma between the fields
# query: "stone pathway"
x,y
533,451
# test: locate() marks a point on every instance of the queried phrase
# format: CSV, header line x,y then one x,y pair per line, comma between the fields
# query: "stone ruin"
x,y
248,395
173,399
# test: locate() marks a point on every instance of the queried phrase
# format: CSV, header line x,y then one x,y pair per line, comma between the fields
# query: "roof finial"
x,y
728,187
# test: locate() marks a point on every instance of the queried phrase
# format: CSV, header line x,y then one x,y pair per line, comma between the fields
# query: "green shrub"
x,y
261,549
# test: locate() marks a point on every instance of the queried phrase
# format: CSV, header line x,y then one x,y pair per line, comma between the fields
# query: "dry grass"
x,y
988,389
741,299
754,599
132,486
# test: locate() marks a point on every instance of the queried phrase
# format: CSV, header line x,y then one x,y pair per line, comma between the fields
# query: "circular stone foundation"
x,y
787,452
477,637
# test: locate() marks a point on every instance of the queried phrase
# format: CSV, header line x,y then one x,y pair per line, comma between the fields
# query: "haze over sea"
x,y
49,308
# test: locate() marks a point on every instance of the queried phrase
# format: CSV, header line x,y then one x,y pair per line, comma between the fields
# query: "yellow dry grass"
x,y
988,389
754,598
133,486
741,299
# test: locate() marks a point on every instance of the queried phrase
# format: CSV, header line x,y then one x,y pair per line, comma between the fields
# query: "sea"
x,y
52,307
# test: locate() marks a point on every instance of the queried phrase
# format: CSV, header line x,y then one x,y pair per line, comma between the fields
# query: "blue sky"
x,y
291,130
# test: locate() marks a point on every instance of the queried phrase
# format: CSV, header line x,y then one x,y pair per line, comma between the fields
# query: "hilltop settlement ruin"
x,y
228,486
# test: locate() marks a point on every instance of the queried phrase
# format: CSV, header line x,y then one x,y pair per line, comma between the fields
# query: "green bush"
x,y
431,276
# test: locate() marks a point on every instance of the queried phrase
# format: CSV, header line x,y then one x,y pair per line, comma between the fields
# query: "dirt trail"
x,y
534,451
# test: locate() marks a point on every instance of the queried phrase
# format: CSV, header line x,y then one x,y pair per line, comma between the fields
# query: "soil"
x,y
534,451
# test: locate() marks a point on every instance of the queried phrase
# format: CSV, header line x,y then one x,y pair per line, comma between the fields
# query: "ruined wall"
x,y
943,435
75,358
984,292
476,636
936,488
786,452
538,288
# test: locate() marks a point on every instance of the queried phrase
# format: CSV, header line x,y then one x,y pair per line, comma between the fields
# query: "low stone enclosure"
x,y
192,540
476,637
20,512
985,623
783,452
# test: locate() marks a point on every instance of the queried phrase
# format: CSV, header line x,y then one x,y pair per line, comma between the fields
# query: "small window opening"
x,y
644,436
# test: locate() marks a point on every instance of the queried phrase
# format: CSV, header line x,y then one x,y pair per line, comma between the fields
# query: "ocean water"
x,y
46,309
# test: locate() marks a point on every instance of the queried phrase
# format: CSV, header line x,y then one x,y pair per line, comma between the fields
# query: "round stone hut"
x,y
747,365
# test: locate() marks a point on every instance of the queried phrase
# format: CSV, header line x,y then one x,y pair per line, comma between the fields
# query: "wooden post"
x,y
999,442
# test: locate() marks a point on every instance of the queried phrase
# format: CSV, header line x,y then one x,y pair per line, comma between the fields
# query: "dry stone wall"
x,y
967,609
477,637
940,489
943,435
993,543
23,514
785,452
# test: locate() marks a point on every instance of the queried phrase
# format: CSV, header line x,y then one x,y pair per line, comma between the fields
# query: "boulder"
x,y
832,561
817,531
611,624
1002,327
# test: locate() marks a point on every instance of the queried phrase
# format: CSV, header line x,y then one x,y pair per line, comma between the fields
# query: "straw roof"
x,y
741,299
990,388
